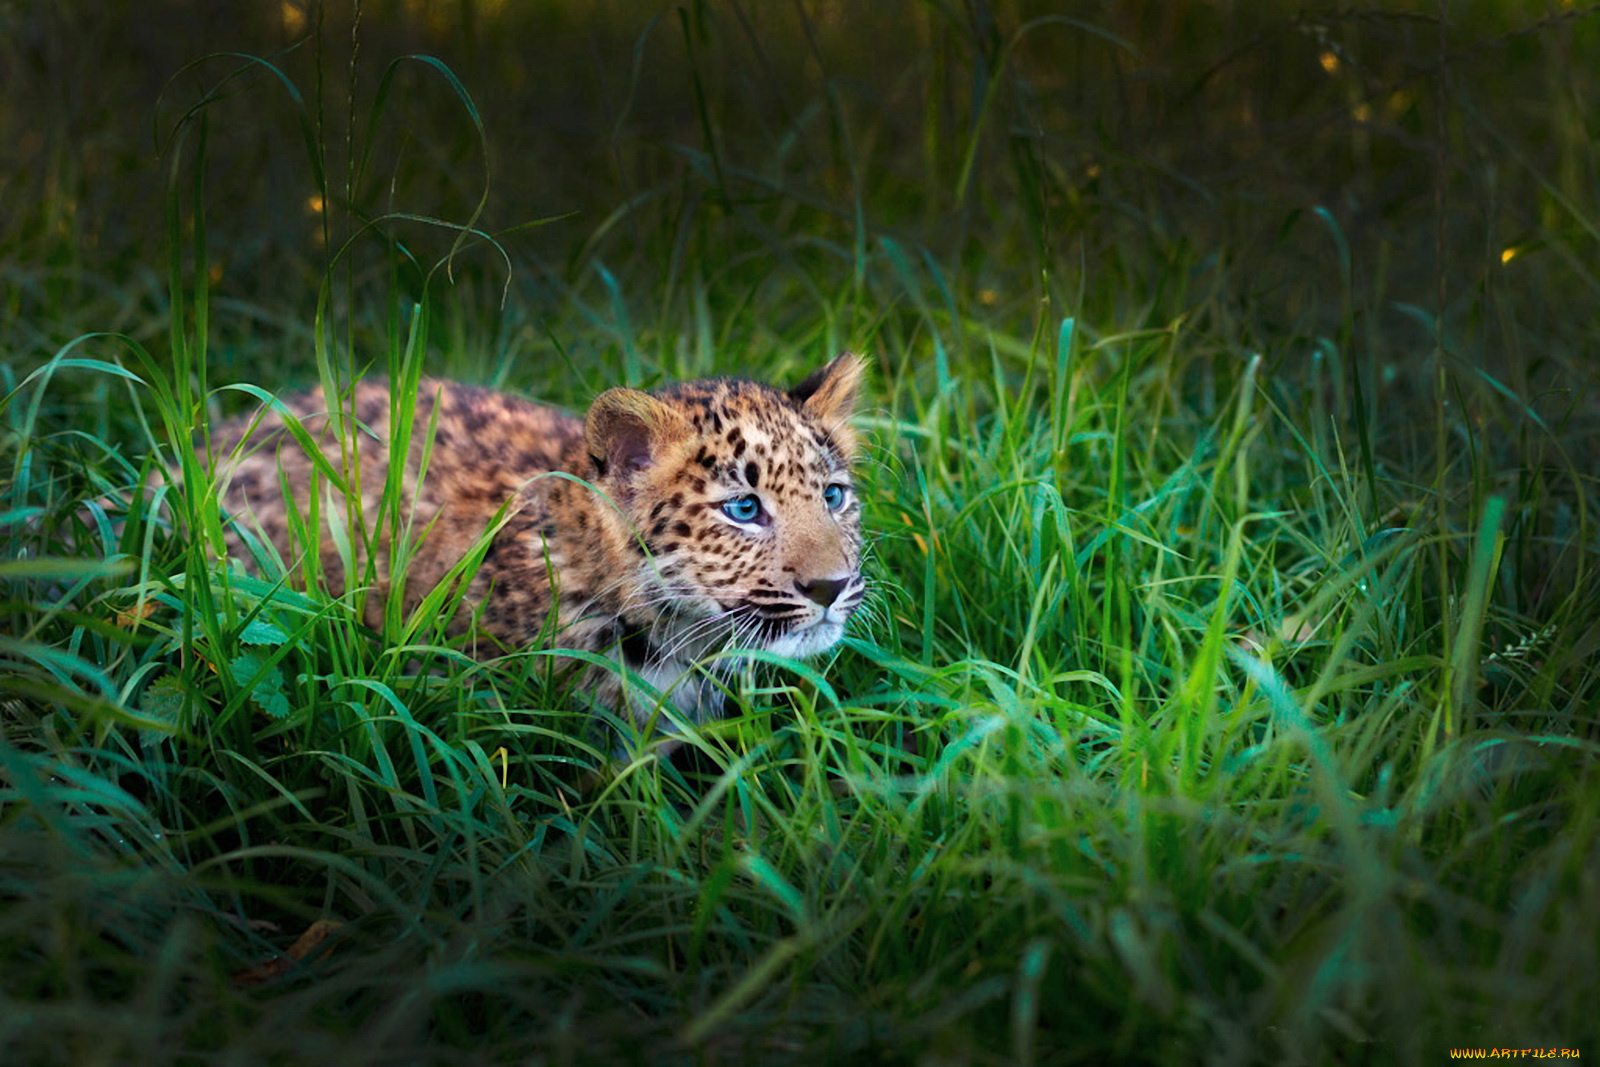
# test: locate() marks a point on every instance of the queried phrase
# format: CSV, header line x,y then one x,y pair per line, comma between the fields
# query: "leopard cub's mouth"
x,y
799,631
810,639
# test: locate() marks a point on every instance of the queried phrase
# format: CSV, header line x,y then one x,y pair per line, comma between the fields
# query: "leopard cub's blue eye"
x,y
833,496
745,508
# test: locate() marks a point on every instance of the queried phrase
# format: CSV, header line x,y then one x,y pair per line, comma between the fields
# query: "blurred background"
x,y
1276,177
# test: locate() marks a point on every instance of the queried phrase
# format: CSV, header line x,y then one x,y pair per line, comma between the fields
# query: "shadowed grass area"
x,y
1228,688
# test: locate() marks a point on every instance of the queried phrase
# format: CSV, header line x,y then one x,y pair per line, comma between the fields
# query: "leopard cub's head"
x,y
745,526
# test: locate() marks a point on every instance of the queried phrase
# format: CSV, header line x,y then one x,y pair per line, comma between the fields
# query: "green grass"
x,y
1229,687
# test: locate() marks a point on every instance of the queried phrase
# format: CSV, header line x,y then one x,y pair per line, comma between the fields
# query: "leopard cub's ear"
x,y
627,430
829,396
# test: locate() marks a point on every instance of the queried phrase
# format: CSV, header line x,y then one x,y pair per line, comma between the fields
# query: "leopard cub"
x,y
660,529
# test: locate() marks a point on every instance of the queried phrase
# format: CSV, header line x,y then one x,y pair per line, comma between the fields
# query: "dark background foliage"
x,y
1104,141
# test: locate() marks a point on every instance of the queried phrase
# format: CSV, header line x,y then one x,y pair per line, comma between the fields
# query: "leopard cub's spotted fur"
x,y
717,514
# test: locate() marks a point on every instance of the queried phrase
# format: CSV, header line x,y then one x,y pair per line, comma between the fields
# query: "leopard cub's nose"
x,y
821,591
